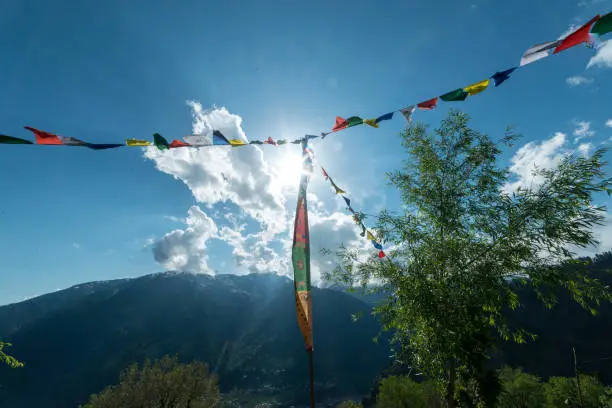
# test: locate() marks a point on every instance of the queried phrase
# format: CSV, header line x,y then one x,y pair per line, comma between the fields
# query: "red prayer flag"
x,y
324,173
271,141
44,138
178,143
579,36
341,123
381,254
428,105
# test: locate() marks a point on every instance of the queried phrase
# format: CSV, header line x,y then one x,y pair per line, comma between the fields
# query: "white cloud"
x,y
578,80
185,250
609,123
257,187
585,148
239,175
547,154
583,129
603,57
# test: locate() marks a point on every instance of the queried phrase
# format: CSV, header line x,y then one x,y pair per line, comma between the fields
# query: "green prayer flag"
x,y
456,95
354,121
160,142
13,140
603,25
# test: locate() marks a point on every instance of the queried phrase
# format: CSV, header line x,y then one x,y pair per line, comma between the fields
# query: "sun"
x,y
288,168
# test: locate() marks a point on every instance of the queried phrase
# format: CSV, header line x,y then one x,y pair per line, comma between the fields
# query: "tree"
x,y
7,359
349,404
462,243
562,391
402,392
520,390
163,384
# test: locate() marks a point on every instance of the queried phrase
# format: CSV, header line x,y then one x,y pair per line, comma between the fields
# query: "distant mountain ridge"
x,y
75,341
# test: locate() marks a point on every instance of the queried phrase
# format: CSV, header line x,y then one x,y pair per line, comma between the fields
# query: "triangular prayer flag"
x,y
381,254
160,142
338,189
340,124
271,141
324,173
407,112
371,122
237,142
371,237
198,140
386,116
347,201
579,36
603,25
71,141
357,219
134,142
256,142
103,146
219,139
454,96
178,143
377,245
354,121
500,77
538,51
477,88
282,142
363,231
44,138
4,139
428,105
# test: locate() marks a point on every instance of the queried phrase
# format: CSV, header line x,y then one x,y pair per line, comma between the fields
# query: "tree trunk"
x,y
450,388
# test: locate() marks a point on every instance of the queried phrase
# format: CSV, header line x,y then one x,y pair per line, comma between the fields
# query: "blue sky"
x,y
107,72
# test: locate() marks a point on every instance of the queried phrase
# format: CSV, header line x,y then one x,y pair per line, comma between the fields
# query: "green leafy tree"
x,y
520,390
163,384
563,392
349,404
7,359
461,243
402,392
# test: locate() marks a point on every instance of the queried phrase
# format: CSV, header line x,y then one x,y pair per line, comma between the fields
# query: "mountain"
x,y
74,342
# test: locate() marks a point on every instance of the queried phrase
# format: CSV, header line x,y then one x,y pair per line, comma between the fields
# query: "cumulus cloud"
x,y
603,57
185,249
546,154
585,148
578,80
242,176
583,130
609,123
215,175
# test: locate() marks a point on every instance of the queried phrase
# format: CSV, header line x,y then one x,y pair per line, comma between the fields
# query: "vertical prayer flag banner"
x,y
579,36
300,255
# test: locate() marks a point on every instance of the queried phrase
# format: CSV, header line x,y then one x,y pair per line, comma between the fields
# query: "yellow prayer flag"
x,y
339,190
477,88
134,142
237,142
371,122
371,237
